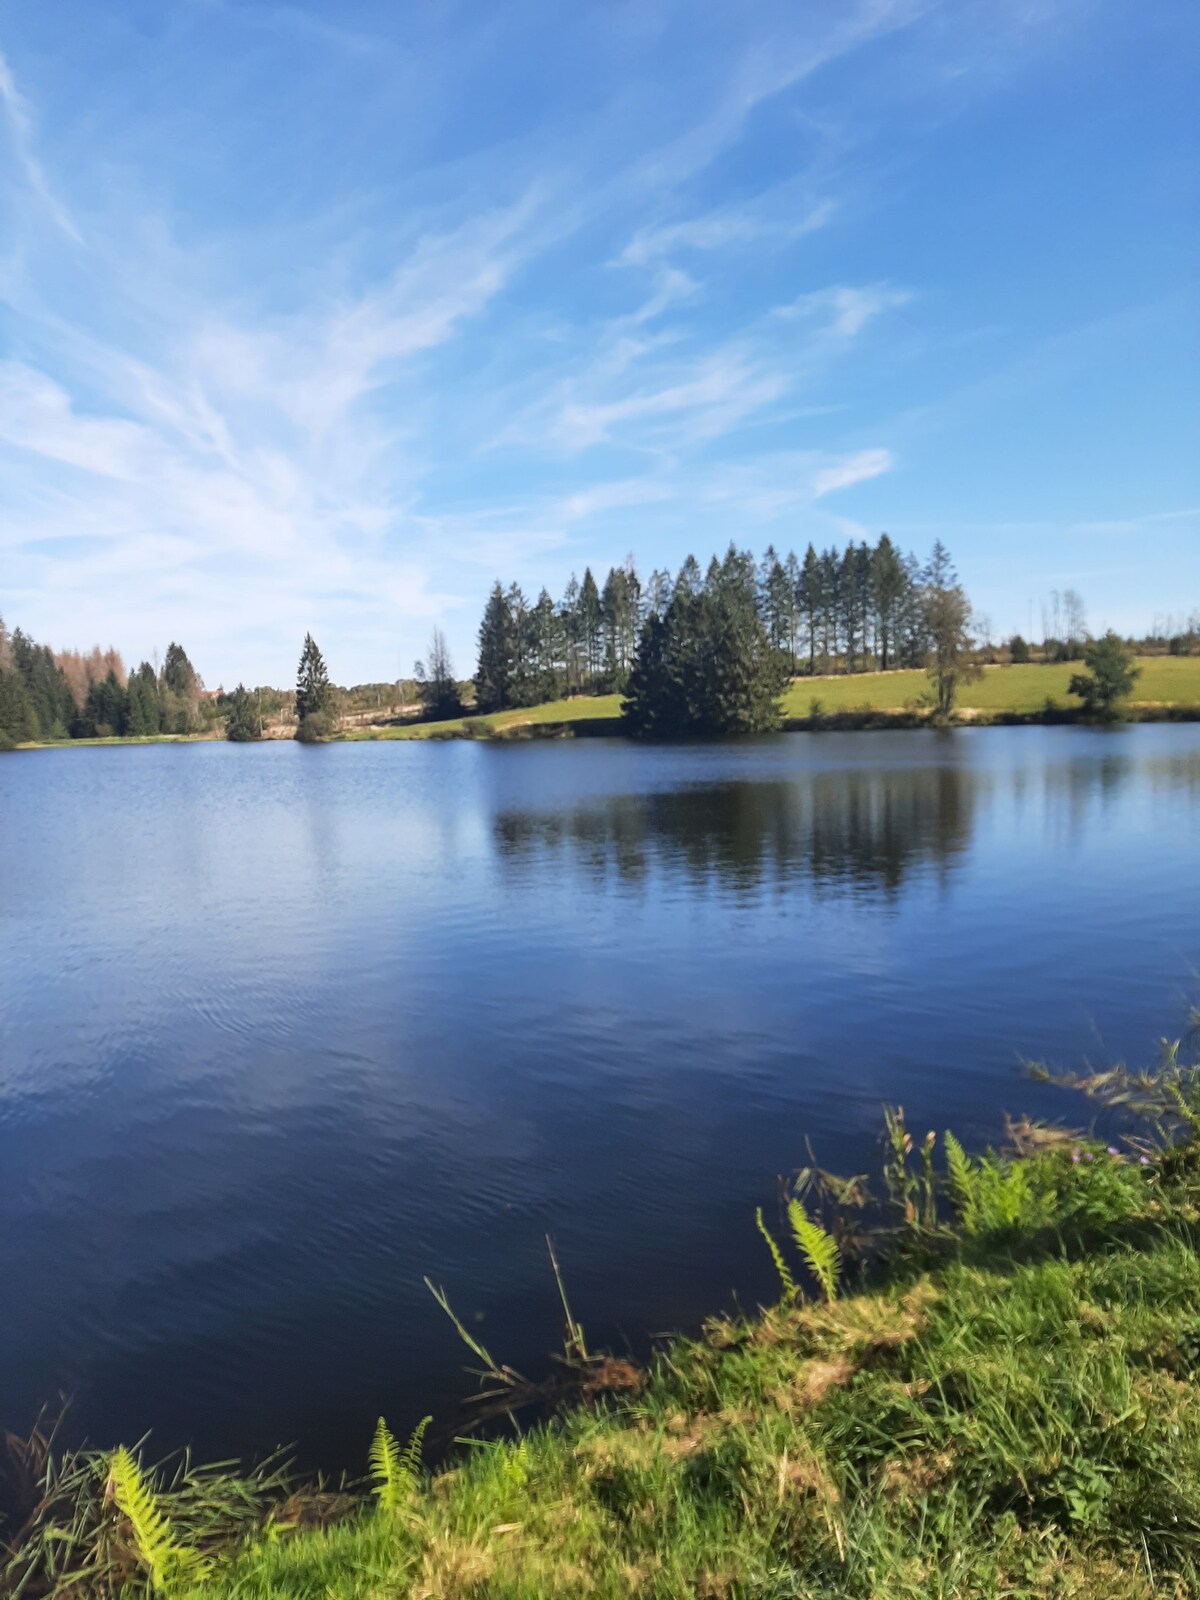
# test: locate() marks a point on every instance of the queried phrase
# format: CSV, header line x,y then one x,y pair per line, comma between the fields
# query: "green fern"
x,y
963,1184
167,1562
787,1282
395,1473
818,1248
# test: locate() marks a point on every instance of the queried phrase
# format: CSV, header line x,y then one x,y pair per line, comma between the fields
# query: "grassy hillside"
x,y
1004,1403
1021,690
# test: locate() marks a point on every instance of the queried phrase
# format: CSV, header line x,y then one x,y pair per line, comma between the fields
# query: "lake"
x,y
284,1029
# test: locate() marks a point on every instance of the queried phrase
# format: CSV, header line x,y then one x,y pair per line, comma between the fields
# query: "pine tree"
x,y
18,723
848,608
568,613
809,602
144,708
243,723
706,667
105,713
494,674
179,692
887,589
590,621
314,695
792,574
690,579
46,691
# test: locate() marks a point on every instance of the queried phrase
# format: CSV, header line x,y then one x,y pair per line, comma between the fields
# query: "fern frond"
x,y
818,1248
387,1468
396,1472
786,1281
411,1459
963,1183
166,1561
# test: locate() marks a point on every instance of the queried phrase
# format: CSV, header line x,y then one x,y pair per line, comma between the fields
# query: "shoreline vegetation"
x,y
868,637
1006,695
979,1378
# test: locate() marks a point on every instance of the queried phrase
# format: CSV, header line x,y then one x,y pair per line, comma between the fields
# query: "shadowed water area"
x,y
284,1029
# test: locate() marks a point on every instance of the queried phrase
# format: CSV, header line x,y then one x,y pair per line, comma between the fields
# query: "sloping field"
x,y
1164,681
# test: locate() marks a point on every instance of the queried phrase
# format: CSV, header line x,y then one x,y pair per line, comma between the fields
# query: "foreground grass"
x,y
1003,1403
1018,691
1017,1418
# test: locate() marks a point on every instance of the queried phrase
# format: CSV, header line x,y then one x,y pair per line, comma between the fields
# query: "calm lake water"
x,y
284,1029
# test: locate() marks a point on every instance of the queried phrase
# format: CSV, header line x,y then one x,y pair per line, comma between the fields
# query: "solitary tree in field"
x,y
314,696
1110,677
948,623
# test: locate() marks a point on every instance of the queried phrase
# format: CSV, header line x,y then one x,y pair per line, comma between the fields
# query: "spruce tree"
x,y
243,723
314,696
809,602
707,667
887,589
590,622
494,675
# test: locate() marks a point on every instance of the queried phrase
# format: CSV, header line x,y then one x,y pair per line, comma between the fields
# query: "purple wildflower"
x,y
1088,1156
1145,1160
1075,1157
1113,1151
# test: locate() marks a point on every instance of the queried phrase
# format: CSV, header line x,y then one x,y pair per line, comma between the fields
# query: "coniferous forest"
x,y
47,694
709,651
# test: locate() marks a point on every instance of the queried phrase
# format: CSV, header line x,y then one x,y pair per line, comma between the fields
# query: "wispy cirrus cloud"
x,y
857,468
20,123
362,307
773,216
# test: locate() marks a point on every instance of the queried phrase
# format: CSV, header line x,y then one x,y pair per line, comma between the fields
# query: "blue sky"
x,y
325,315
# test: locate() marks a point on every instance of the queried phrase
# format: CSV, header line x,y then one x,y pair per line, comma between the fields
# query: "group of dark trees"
x,y
852,611
44,695
710,651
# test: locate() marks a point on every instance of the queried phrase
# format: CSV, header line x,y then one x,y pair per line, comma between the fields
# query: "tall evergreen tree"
x,y
45,686
494,674
809,602
243,724
706,668
314,695
105,713
887,589
18,722
144,710
791,568
591,617
849,611
568,614
828,591
690,579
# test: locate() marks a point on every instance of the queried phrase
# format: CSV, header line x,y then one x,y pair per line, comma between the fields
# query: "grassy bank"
x,y
1002,692
1001,1400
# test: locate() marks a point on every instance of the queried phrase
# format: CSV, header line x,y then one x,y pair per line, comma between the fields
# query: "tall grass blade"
x,y
786,1281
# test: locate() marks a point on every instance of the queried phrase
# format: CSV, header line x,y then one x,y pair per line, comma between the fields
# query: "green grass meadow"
x,y
1023,690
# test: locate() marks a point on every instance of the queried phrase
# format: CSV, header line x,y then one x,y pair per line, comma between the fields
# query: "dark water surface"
x,y
283,1029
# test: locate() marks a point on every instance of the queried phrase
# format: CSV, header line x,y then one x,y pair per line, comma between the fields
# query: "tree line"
x,y
47,694
854,610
